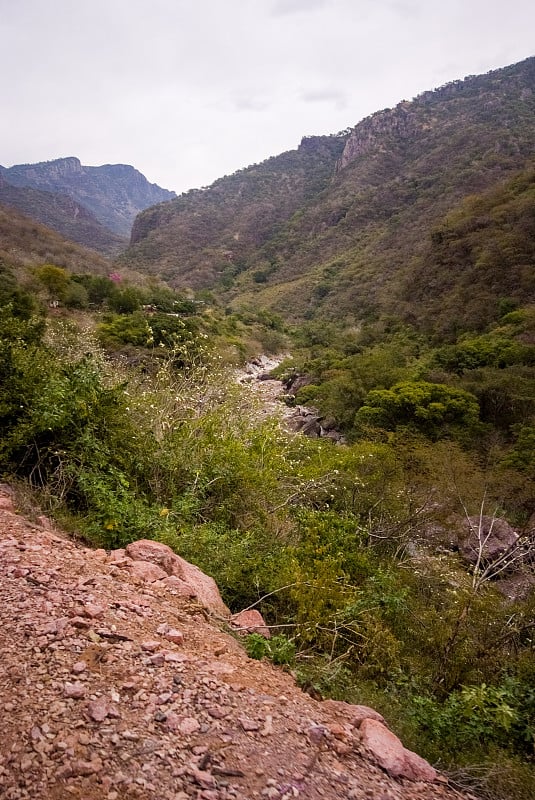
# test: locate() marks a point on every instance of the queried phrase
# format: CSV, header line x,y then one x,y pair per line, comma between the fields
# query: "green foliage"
x,y
344,547
125,301
433,409
488,350
55,279
278,649
124,329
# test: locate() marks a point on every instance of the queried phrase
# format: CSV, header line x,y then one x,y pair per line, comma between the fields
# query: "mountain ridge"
x,y
347,244
113,193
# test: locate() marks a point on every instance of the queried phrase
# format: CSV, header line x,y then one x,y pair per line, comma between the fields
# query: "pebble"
x,y
75,690
98,709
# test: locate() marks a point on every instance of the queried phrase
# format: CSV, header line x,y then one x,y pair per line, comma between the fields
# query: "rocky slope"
x,y
113,193
114,684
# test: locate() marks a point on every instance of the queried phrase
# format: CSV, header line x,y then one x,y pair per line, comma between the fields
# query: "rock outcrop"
x,y
484,539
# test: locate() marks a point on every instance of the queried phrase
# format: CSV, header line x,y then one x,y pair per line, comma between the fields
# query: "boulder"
x,y
251,621
388,752
489,535
355,714
153,552
145,571
154,561
203,586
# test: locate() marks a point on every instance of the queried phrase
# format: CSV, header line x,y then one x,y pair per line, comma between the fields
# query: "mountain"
x,y
114,193
25,242
62,214
350,241
209,235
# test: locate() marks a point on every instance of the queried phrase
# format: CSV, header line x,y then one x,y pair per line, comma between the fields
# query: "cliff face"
x,y
502,95
113,193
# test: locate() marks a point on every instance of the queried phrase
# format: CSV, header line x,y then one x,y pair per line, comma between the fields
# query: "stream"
x,y
272,392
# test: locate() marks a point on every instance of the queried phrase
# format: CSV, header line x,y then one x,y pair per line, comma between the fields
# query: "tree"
x,y
433,409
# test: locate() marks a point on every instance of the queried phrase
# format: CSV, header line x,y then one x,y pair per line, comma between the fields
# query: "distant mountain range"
x,y
94,206
346,225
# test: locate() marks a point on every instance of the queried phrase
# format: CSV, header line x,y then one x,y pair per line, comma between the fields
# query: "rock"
x,y
172,721
75,690
188,725
318,734
389,753
249,724
172,634
183,588
117,556
204,587
251,621
355,714
98,709
146,571
418,769
94,610
202,778
153,553
153,561
150,646
488,536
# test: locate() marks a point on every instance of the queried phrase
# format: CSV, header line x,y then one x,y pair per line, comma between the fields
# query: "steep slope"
x,y
208,236
64,215
116,686
350,246
477,263
24,242
113,193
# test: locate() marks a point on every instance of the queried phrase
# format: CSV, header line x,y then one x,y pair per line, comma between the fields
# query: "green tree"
x,y
433,409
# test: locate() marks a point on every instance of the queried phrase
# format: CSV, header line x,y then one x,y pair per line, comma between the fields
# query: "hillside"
x,y
113,193
208,236
350,242
64,215
116,685
24,242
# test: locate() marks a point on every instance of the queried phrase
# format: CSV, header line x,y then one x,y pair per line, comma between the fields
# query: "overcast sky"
x,y
190,90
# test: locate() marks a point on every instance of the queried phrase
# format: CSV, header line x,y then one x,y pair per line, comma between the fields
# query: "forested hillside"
x,y
111,194
348,244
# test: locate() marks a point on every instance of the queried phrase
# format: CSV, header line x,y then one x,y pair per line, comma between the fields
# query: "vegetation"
x,y
369,224
337,546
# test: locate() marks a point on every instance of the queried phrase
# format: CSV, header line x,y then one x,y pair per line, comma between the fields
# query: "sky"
x,y
187,91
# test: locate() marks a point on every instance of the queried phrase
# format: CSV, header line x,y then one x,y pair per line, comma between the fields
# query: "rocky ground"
x,y
115,685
